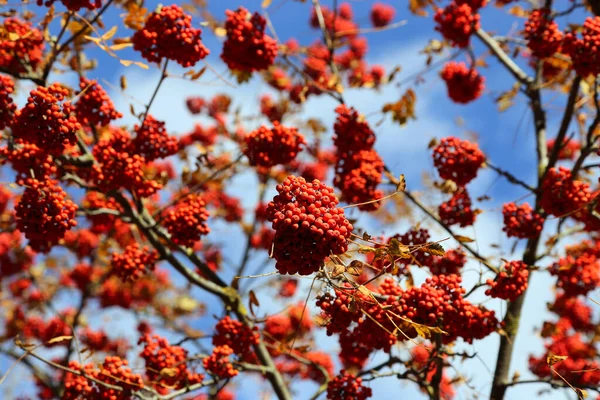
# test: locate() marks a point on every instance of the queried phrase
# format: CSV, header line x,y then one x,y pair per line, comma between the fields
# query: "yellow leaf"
x,y
553,359
126,63
168,372
141,65
401,187
435,249
186,304
463,239
266,3
120,46
220,32
198,74
59,339
92,39
108,35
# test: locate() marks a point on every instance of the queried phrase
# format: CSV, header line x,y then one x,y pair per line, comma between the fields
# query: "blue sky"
x,y
506,138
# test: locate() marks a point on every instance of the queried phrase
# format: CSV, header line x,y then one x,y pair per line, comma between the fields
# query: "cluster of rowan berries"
x,y
82,242
458,210
99,341
382,14
168,33
574,310
204,136
415,239
227,207
464,84
100,223
44,214
195,104
359,167
81,276
274,111
568,149
239,337
457,22
160,356
510,283
420,360
308,225
152,140
218,363
577,274
542,34
7,107
73,5
347,386
457,160
13,257
21,46
448,264
561,194
336,311
134,262
94,106
132,294
269,147
186,220
313,370
45,121
585,51
27,158
521,221
247,47
338,23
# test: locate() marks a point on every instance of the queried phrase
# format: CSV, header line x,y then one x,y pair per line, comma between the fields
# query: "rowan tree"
x,y
286,243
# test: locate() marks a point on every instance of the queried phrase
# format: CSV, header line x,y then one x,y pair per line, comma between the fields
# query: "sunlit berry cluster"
x,y
568,150
47,122
561,194
346,386
352,132
577,274
457,22
521,221
94,106
186,220
247,47
448,264
24,52
7,107
218,363
100,223
152,141
382,14
134,262
308,225
574,310
267,147
457,160
464,84
195,104
510,283
338,22
44,214
542,34
458,210
585,51
27,159
240,338
73,5
336,312
168,33
159,356
274,111
415,239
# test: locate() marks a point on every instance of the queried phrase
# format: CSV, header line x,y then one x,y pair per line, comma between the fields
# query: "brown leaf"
x,y
59,339
432,143
554,359
168,372
401,186
355,268
506,99
253,301
123,82
435,249
337,270
403,109
463,239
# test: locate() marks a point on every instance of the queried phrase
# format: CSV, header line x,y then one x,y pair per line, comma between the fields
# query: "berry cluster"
x,y
134,262
207,137
382,14
7,107
458,210
575,311
308,225
186,220
521,221
335,311
561,194
340,24
94,107
352,133
577,274
152,140
346,386
464,84
160,356
45,122
24,52
415,238
585,51
567,151
457,160
269,147
218,363
237,336
449,264
73,5
272,110
44,214
542,34
247,47
27,158
457,22
195,104
510,283
101,223
168,33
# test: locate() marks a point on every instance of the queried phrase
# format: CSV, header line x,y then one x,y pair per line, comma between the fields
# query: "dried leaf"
x,y
198,74
432,143
401,187
120,46
186,304
395,248
435,249
366,236
108,35
220,32
554,359
355,268
337,270
266,3
126,63
59,339
168,372
463,239
403,109
123,82
506,99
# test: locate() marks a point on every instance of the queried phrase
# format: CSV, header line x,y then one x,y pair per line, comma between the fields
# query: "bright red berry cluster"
x,y
24,52
340,23
346,386
510,283
186,220
352,132
247,47
269,147
168,33
521,221
457,160
195,104
585,51
458,210
336,312
152,140
464,84
382,14
561,194
457,22
93,106
134,262
44,214
415,239
575,311
308,225
45,122
240,338
27,158
218,363
73,5
569,148
542,34
160,356
7,107
577,274
449,264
